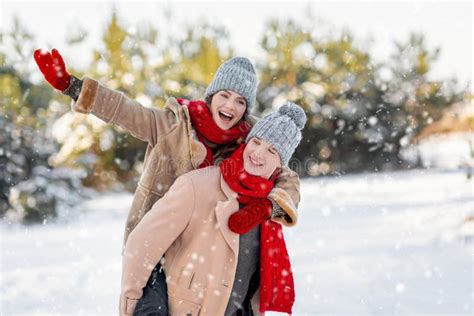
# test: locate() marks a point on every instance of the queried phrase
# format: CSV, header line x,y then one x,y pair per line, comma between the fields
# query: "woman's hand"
x,y
53,68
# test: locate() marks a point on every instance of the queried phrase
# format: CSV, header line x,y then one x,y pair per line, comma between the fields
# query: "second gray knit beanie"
x,y
282,129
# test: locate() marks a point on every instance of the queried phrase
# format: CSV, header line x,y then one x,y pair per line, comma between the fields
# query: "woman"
x,y
213,253
184,136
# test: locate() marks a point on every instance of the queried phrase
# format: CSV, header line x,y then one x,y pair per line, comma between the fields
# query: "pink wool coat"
x,y
189,226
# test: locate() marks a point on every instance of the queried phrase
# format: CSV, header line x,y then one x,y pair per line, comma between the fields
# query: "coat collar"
x,y
229,193
224,209
197,150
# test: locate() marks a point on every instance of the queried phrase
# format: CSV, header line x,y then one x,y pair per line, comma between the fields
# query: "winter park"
x,y
251,158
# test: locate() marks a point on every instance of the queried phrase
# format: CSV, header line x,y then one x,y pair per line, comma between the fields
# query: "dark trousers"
x,y
154,301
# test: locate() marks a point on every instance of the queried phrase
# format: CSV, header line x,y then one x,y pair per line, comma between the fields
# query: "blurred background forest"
x,y
362,115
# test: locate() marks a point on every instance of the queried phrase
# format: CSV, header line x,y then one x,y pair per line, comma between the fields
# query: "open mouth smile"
x,y
225,116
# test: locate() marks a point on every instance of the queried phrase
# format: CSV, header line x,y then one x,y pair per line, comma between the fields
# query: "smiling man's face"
x,y
261,158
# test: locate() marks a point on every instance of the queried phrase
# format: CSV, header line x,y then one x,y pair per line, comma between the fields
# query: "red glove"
x,y
53,68
249,216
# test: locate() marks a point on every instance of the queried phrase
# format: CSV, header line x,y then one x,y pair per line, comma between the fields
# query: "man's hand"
x,y
250,215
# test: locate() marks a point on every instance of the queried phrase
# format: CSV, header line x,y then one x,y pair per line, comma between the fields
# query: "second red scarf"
x,y
276,278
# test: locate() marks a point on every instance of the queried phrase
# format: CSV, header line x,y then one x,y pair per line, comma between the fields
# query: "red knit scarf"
x,y
208,131
276,279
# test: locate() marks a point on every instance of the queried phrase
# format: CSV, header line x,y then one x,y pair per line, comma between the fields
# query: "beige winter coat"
x,y
173,148
189,226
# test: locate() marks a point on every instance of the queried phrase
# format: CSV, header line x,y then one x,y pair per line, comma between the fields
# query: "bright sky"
x,y
445,24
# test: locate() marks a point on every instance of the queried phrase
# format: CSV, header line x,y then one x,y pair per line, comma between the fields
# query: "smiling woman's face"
x,y
227,108
261,158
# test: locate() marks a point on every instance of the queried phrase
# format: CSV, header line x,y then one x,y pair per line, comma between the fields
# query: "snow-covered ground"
x,y
373,244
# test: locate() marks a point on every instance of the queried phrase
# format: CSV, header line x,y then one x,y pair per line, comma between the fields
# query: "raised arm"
x,y
155,233
147,124
111,106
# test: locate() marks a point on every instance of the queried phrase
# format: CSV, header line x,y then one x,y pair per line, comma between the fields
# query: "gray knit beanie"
x,y
238,75
282,129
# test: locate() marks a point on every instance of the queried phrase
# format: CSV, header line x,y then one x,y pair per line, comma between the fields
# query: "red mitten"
x,y
250,215
53,68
